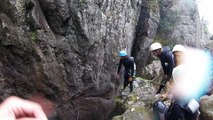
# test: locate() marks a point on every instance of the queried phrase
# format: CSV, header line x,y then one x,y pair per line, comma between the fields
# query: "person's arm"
x,y
118,71
119,67
163,66
170,61
14,108
132,68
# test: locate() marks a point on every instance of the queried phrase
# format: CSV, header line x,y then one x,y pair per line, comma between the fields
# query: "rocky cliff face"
x,y
67,50
179,23
145,32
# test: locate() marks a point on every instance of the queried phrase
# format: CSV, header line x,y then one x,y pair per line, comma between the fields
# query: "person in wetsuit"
x,y
167,61
129,69
183,106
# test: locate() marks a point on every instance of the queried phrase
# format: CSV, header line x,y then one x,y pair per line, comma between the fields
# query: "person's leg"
x,y
131,86
162,84
177,113
166,114
156,111
125,82
190,116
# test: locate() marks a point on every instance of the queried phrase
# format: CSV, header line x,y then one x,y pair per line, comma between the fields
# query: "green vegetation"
x,y
206,30
34,37
153,5
168,20
133,98
205,26
159,39
120,108
168,17
160,2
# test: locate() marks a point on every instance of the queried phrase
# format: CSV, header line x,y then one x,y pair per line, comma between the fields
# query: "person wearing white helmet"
x,y
167,62
128,64
155,46
179,56
178,52
179,48
182,107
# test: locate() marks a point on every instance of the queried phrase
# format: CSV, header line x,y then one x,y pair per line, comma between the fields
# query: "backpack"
x,y
132,59
160,109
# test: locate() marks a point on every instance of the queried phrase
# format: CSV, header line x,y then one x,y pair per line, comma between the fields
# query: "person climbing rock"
x,y
167,61
128,64
183,106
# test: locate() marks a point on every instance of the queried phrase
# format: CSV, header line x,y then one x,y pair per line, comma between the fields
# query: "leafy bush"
x,y
168,17
34,37
168,21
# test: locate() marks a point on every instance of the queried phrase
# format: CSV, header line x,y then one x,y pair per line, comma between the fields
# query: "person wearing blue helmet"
x,y
129,69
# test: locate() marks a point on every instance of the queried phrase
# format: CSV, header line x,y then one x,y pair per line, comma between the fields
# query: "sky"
x,y
205,8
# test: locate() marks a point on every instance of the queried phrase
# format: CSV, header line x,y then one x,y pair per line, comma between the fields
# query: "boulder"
x,y
206,108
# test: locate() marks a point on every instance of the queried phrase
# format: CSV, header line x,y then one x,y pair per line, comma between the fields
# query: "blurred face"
x,y
156,52
178,57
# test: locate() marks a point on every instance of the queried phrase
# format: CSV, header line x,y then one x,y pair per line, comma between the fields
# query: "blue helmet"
x,y
123,53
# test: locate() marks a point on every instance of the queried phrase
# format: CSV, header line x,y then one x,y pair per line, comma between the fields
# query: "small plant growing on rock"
x,y
34,37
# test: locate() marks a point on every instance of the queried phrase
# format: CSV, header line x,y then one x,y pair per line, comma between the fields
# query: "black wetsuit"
x,y
167,62
129,71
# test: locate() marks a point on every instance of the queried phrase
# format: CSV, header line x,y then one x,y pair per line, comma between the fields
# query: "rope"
x,y
150,81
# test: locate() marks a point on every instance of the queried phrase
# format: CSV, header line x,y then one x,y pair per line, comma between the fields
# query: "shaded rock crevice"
x,y
148,21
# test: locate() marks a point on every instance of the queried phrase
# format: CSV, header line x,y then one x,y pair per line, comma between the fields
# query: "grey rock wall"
x,y
180,23
66,50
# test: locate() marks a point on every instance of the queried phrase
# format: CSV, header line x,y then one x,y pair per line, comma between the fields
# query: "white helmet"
x,y
155,46
179,48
